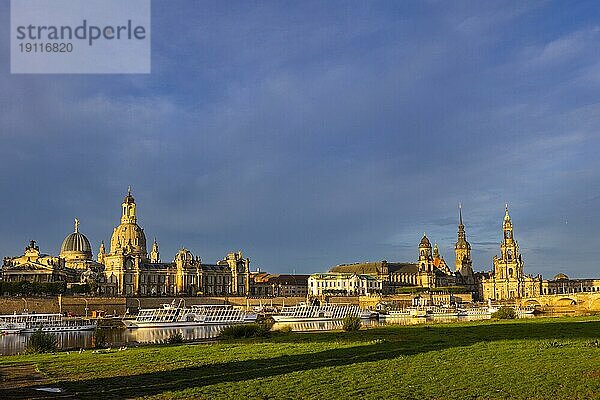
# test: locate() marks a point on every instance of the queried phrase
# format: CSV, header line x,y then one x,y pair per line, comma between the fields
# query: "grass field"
x,y
545,358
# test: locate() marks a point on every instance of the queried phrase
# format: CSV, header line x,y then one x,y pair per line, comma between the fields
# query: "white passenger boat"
x,y
28,323
396,314
475,311
10,328
170,315
443,311
325,312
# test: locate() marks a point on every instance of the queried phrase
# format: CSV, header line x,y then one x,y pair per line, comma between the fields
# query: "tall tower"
x,y
509,265
464,263
154,254
425,256
426,276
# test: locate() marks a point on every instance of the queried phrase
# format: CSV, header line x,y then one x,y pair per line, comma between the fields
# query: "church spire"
x,y
462,248
462,236
507,226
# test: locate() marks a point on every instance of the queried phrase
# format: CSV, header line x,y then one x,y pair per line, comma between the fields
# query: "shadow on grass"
x,y
387,343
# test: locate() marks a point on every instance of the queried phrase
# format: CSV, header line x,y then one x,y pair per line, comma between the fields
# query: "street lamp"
x,y
86,307
25,300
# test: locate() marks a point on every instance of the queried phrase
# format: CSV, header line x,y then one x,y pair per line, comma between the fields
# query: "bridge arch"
x,y
566,301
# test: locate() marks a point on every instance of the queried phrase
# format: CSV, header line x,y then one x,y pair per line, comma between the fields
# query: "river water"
x,y
15,344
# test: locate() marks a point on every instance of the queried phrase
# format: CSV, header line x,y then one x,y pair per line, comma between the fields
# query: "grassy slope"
x,y
541,359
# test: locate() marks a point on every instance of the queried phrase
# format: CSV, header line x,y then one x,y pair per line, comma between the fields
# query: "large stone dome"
x,y
76,246
130,238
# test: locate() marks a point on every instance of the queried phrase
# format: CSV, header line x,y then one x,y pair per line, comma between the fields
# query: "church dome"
x,y
425,242
129,237
76,246
560,276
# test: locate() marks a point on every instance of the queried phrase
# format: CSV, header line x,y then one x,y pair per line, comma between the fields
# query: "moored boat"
x,y
28,323
170,315
396,314
325,312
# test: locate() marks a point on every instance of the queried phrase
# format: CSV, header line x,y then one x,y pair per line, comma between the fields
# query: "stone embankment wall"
x,y
570,303
71,304
120,305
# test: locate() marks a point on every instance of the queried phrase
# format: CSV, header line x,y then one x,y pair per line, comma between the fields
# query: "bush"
x,y
41,342
351,323
99,340
175,338
244,331
505,313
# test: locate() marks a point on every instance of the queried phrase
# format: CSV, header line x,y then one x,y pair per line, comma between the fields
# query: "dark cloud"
x,y
308,135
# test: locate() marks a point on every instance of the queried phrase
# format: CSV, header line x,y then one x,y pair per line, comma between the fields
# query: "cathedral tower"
x,y
464,263
509,265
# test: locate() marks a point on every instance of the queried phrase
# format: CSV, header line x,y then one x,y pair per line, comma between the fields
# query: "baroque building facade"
x,y
129,271
429,271
508,281
34,266
345,284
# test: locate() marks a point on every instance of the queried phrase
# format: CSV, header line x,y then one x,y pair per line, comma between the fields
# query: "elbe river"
x,y
116,337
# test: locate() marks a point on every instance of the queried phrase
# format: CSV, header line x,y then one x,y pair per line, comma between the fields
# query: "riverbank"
x,y
557,358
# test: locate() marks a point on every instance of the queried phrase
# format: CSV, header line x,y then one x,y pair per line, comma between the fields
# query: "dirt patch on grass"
x,y
592,374
22,381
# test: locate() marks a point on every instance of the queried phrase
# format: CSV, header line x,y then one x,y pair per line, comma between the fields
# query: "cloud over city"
x,y
310,135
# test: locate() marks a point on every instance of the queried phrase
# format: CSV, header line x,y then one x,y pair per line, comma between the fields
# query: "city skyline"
x,y
310,134
299,269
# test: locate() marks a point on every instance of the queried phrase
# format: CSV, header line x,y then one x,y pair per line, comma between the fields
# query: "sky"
x,y
309,134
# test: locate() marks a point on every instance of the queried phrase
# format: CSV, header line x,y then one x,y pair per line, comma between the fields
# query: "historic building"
x,y
345,284
129,271
127,268
562,284
278,285
463,260
430,270
507,280
74,263
77,255
33,266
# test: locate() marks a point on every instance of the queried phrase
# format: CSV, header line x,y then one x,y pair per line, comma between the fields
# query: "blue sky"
x,y
309,134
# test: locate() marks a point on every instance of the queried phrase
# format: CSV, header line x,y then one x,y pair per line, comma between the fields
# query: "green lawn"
x,y
547,358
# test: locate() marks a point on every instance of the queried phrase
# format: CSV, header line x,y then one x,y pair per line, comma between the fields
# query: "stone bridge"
x,y
568,302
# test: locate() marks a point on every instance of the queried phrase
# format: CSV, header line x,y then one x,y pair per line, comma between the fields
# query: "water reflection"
x,y
15,344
